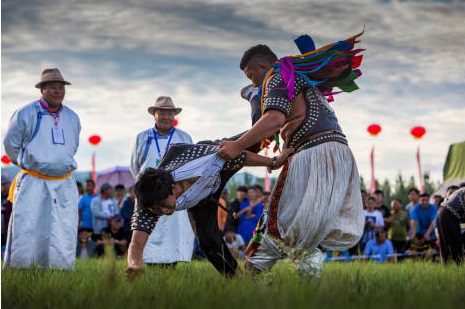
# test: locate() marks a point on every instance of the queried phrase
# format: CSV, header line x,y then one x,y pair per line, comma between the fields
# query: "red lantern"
x,y
418,132
94,140
374,129
175,122
6,160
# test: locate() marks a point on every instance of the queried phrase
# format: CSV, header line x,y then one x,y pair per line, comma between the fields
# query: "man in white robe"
x,y
173,239
42,139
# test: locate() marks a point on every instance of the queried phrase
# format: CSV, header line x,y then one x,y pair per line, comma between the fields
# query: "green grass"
x,y
101,284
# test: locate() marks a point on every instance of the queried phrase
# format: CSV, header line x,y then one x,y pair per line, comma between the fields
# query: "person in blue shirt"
x,y
249,213
379,249
85,212
423,218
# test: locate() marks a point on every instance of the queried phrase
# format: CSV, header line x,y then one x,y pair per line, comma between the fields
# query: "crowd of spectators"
x,y
401,231
104,220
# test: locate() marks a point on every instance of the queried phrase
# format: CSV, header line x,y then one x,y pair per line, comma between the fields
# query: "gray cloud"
x,y
120,55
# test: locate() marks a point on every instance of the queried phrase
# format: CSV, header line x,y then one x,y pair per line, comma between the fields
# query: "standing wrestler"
x,y
316,201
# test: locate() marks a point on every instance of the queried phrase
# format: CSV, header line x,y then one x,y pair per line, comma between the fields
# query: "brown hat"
x,y
164,103
51,75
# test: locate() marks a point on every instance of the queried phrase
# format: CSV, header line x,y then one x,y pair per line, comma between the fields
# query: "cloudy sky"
x,y
121,55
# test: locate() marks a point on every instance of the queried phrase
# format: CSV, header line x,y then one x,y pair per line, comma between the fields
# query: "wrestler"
x,y
187,176
316,201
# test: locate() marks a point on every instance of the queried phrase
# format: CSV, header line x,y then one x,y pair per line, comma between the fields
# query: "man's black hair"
x,y
424,195
261,51
153,187
413,190
379,192
363,191
242,189
91,181
79,184
258,187
452,187
119,186
378,232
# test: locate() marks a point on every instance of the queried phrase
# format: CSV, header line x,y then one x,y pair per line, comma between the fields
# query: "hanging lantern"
x,y
374,129
175,122
94,140
6,160
418,132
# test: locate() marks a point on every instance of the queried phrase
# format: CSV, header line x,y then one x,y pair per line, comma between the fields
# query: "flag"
x,y
372,165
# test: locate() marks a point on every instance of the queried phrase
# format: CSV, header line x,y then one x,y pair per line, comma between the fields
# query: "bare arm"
x,y
135,253
413,228
429,230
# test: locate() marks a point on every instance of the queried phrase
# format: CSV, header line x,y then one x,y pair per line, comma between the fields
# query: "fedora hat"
x,y
51,75
164,103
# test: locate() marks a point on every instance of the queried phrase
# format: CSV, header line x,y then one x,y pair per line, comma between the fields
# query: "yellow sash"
x,y
11,193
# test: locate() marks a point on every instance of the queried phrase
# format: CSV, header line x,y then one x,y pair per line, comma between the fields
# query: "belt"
x,y
318,138
11,193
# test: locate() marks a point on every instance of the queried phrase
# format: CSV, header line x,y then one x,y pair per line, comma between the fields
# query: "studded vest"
x,y
176,156
317,122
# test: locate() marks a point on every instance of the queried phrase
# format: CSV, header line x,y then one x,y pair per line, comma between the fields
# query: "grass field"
x,y
101,284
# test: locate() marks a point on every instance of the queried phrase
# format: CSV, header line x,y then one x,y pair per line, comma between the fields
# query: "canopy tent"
x,y
116,175
454,168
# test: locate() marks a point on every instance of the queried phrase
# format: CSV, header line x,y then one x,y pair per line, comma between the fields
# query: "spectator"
x,y
398,226
222,210
127,210
249,214
266,199
234,207
119,195
116,235
259,191
103,208
85,245
414,197
79,188
450,190
364,198
437,200
423,217
373,221
6,211
420,246
235,244
451,238
85,202
379,197
379,249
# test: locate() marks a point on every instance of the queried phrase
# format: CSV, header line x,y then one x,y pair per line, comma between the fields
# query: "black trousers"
x,y
399,245
205,224
451,240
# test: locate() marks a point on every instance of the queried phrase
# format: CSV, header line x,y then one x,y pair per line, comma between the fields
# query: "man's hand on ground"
x,y
132,272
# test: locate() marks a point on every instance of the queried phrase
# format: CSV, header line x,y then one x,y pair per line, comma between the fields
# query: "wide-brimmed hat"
x,y
164,103
51,75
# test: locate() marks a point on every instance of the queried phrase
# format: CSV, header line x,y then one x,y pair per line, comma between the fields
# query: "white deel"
x,y
172,240
44,221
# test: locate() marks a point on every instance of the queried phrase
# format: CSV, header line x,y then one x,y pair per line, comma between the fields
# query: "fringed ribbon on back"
x,y
319,63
